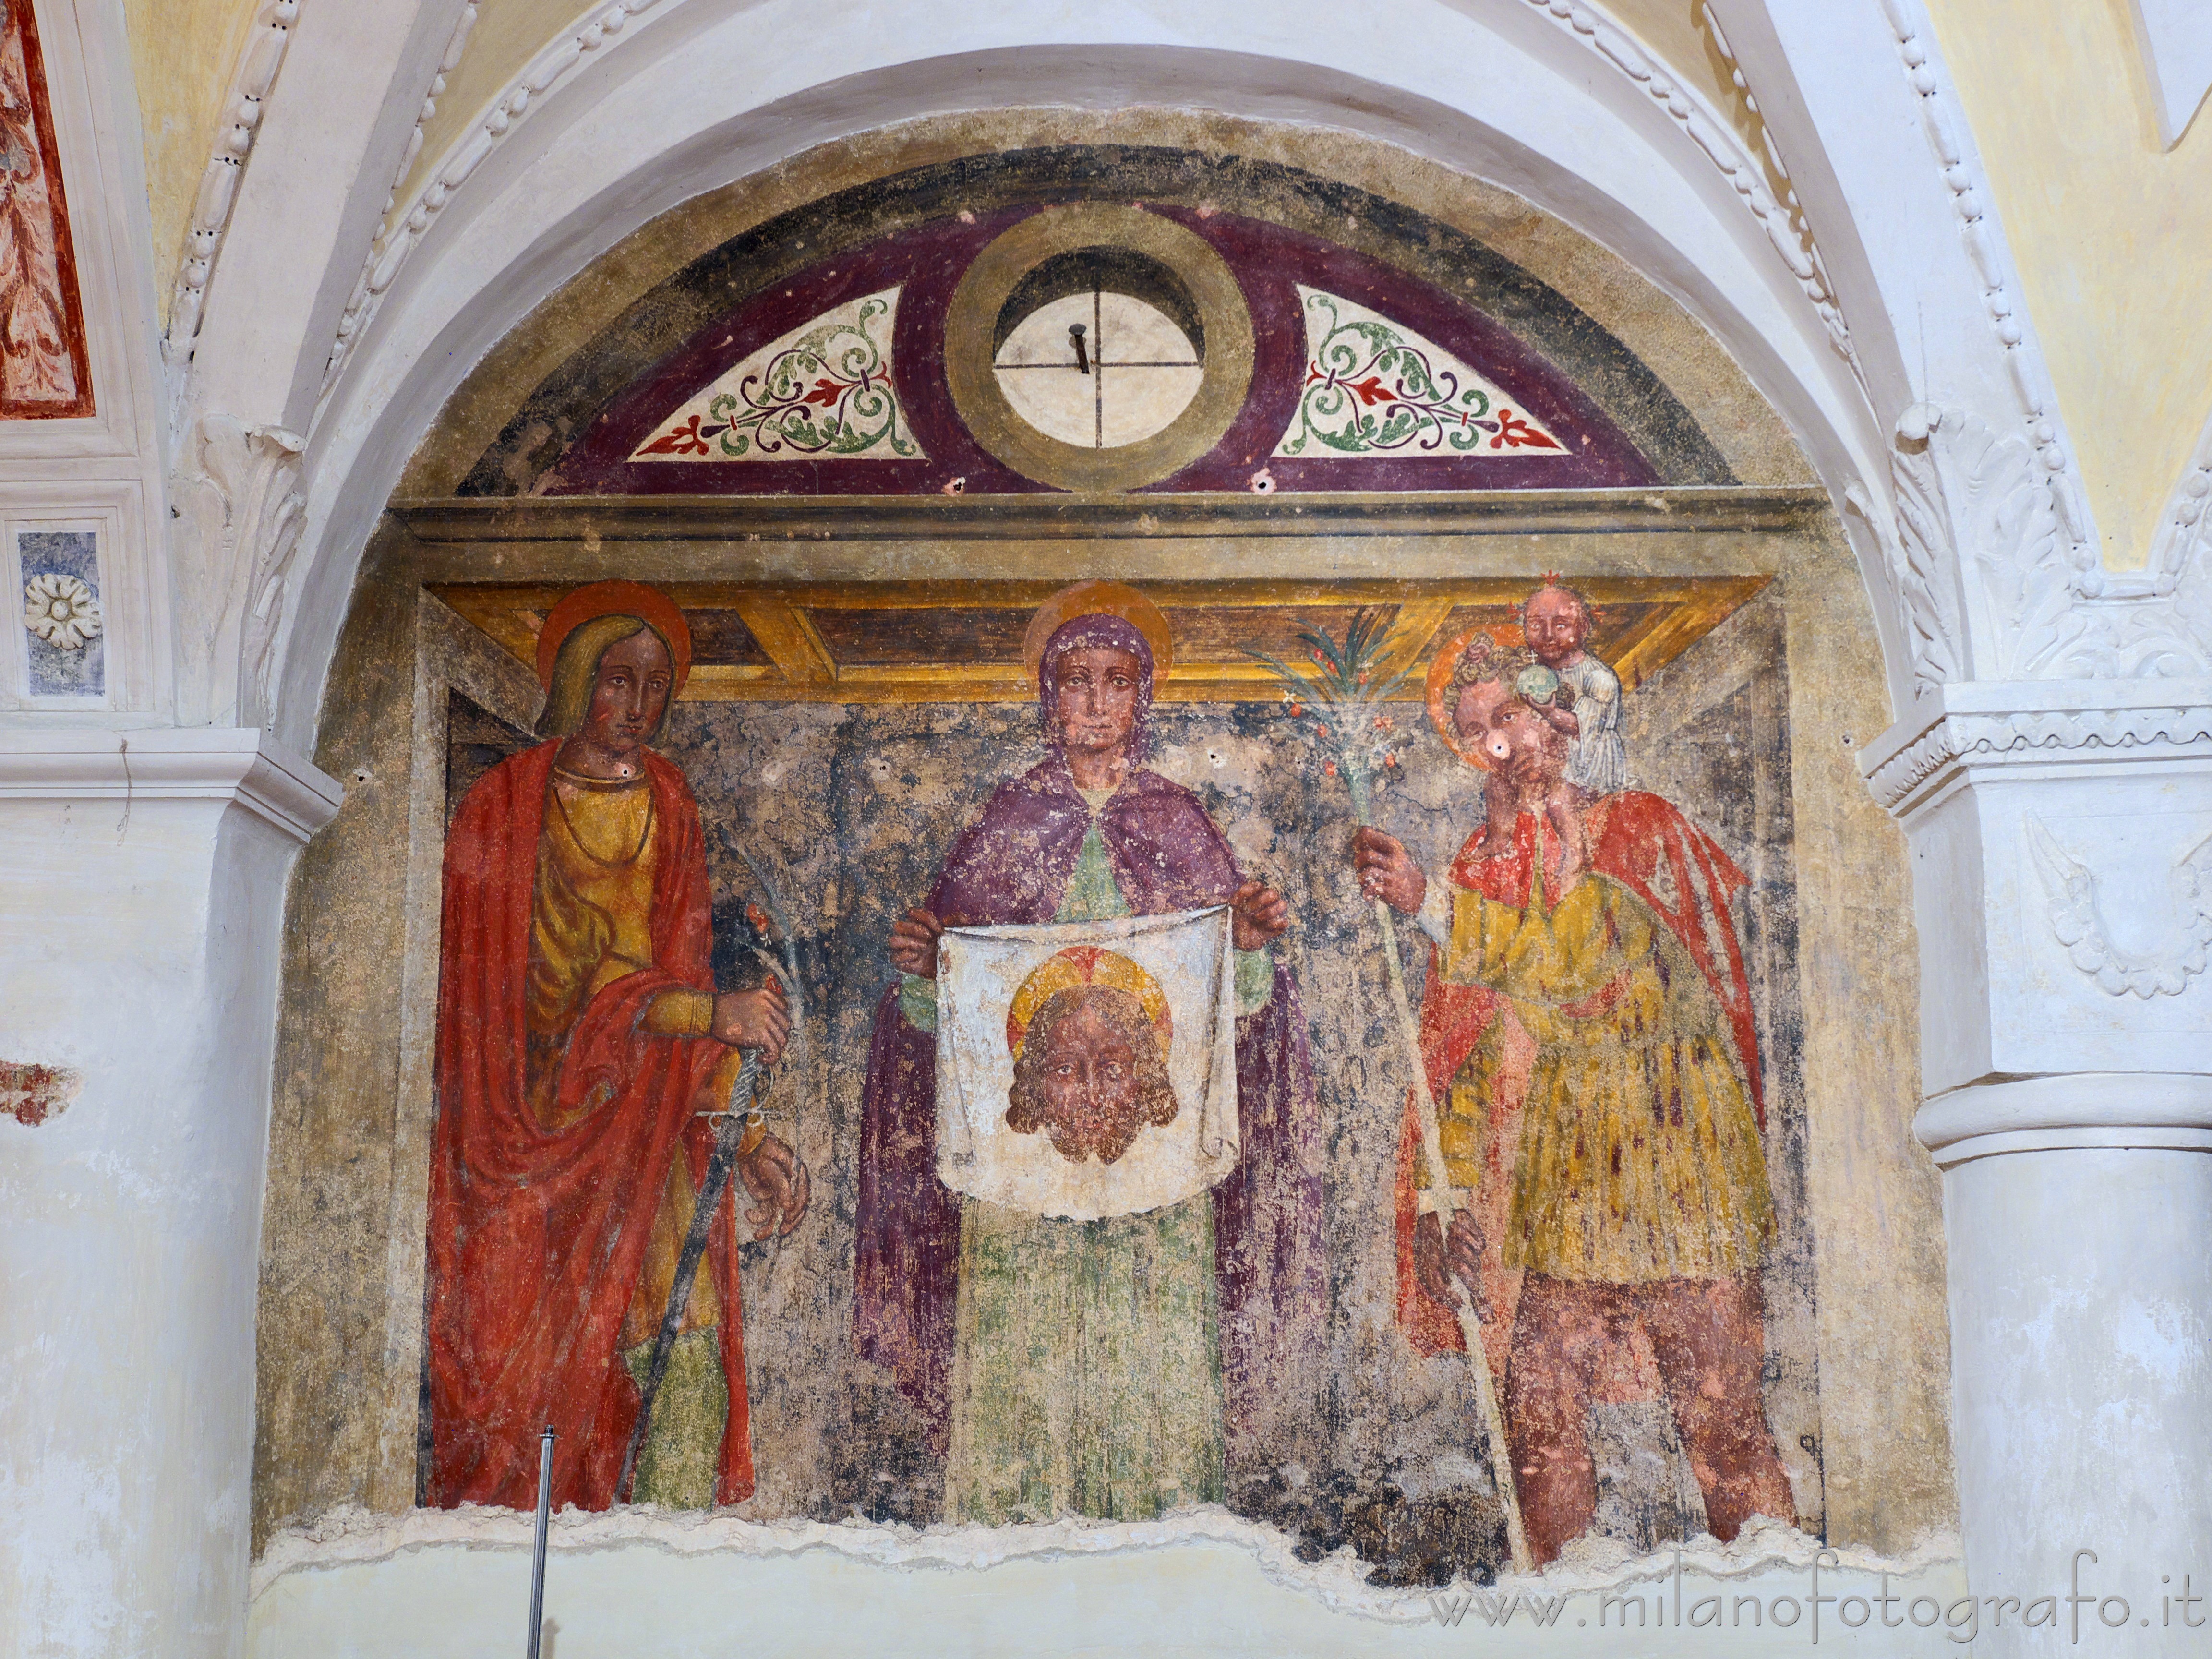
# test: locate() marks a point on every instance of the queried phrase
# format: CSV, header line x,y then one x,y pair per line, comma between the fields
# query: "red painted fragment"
x,y
32,1094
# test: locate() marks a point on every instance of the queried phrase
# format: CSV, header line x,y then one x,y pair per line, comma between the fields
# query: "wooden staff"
x,y
1470,1322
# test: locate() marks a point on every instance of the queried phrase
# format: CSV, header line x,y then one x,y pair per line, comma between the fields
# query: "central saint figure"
x,y
1114,1367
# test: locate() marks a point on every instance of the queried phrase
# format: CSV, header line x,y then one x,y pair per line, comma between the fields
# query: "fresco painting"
x,y
581,1051
1585,1020
1075,857
45,371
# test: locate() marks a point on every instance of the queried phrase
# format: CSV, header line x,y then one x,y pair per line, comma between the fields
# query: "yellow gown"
x,y
591,924
1640,1156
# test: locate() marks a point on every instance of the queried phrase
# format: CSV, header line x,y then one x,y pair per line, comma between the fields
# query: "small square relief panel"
x,y
59,586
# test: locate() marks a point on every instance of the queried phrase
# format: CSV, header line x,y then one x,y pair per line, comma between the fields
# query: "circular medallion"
x,y
1098,348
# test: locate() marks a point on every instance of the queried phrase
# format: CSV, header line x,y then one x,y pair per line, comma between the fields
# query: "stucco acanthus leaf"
x,y
2080,927
2169,623
257,64
1988,584
2017,577
239,516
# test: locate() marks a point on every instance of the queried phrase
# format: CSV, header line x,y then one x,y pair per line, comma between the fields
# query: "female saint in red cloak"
x,y
580,1039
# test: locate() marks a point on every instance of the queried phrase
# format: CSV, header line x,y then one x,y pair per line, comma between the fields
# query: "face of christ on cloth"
x,y
1090,1074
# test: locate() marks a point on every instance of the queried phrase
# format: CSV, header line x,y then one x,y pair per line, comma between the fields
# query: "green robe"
x,y
1086,1370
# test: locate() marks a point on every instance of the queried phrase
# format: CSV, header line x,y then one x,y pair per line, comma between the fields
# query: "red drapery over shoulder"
x,y
1690,884
537,1237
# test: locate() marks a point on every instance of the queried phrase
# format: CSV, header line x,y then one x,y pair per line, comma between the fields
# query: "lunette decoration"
x,y
1373,388
821,392
1343,695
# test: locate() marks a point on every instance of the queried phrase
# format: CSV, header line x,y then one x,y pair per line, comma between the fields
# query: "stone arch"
x,y
468,283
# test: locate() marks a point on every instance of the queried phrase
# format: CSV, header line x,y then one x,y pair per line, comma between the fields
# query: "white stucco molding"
x,y
398,233
1988,587
2060,875
331,134
1985,725
596,34
2184,532
218,763
240,515
1960,161
255,78
2170,1110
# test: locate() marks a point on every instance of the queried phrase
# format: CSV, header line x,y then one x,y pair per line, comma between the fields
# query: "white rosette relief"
x,y
65,626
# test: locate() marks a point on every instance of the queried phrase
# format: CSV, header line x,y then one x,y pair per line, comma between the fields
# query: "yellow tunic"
x,y
1639,1156
591,924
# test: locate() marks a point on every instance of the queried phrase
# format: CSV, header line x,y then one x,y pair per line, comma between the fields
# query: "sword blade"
x,y
728,1134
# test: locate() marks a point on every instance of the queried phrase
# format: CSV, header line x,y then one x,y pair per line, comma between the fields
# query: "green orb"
x,y
1536,684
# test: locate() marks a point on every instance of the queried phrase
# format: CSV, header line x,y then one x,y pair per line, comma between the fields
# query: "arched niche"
x,y
859,684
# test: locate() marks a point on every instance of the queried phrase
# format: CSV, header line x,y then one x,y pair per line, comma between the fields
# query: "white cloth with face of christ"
x,y
1178,969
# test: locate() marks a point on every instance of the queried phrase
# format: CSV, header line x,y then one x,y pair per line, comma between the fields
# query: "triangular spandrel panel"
x,y
1376,387
822,392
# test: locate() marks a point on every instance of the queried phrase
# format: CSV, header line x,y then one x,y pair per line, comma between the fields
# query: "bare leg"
x,y
1560,1330
1710,1336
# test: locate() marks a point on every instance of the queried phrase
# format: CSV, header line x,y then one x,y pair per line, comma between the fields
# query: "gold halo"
x,y
1439,686
1100,599
611,599
1087,964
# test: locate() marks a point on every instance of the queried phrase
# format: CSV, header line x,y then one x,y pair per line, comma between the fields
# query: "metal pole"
x,y
537,1546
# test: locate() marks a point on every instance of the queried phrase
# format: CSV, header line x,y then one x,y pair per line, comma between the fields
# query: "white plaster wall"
x,y
126,1328
703,1589
141,951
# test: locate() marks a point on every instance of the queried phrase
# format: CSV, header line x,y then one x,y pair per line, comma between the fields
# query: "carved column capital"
x,y
2062,862
239,513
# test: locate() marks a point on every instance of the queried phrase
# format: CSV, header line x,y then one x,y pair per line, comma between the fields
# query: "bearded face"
x,y
1091,1075
1521,741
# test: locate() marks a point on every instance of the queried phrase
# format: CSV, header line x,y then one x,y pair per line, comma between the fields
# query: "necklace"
x,y
644,834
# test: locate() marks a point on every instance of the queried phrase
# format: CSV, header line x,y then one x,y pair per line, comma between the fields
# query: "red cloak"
x,y
537,1237
1688,881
